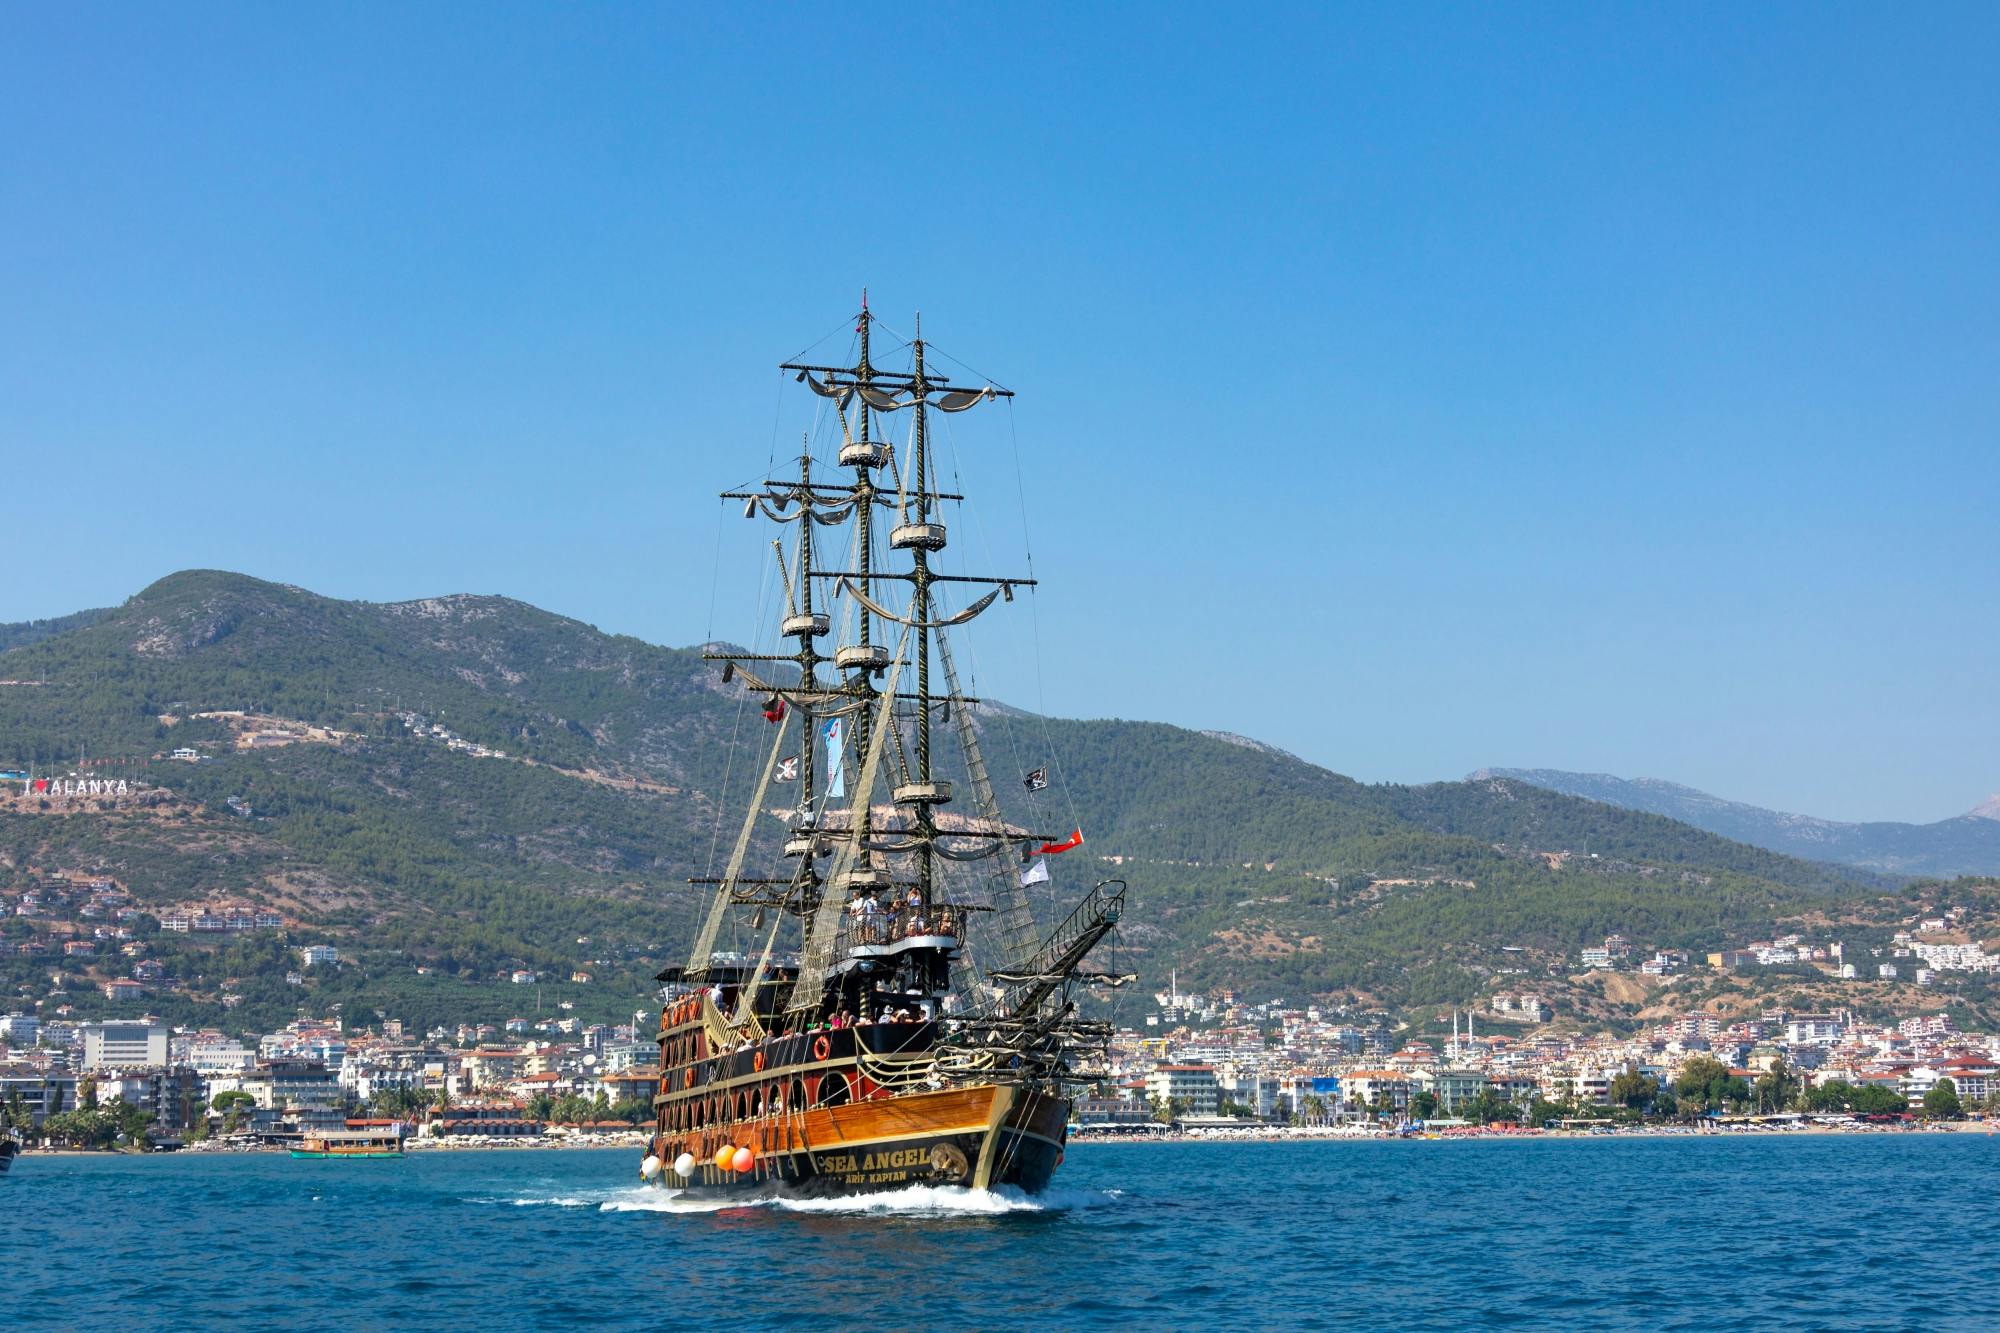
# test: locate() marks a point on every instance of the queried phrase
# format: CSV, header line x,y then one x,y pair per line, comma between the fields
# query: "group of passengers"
x,y
878,922
846,1019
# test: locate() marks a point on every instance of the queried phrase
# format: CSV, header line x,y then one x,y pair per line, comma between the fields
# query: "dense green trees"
x,y
1634,1090
1487,1107
418,854
1840,1095
99,1127
402,1103
1777,1089
1941,1101
1705,1084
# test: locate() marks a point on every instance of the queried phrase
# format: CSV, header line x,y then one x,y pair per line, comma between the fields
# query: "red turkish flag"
x,y
1074,840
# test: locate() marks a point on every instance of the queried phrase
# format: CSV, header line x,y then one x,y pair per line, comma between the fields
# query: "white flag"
x,y
836,758
1038,873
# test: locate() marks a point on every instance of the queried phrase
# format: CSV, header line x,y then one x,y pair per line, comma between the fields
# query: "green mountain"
x,y
607,771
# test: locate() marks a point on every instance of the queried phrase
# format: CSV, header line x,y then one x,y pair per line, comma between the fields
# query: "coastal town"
x,y
1216,1064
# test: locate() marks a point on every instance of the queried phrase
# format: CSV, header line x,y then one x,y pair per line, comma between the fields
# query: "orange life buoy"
x,y
757,1061
821,1047
689,1081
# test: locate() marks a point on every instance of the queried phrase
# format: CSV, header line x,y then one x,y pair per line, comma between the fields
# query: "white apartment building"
x,y
220,1056
1194,1085
124,1044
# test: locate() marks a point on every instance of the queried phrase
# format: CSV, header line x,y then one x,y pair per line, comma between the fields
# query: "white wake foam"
x,y
659,1199
910,1201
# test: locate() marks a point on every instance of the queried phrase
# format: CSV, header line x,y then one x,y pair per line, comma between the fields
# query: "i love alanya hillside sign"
x,y
75,787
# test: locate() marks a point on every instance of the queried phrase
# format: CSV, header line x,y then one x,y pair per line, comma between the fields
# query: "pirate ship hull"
x,y
820,1117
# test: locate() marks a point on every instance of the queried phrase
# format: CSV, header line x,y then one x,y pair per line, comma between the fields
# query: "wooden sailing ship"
x,y
893,1013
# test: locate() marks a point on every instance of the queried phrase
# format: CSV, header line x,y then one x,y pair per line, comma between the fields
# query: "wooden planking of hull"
x,y
980,1137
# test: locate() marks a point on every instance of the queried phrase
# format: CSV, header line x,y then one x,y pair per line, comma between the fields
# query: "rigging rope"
x,y
817,955
705,946
735,734
1017,921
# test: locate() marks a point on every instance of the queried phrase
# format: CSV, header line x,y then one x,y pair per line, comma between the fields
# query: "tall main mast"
x,y
807,891
865,457
927,538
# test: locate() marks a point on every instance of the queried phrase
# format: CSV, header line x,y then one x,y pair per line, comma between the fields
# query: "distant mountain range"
x,y
1966,845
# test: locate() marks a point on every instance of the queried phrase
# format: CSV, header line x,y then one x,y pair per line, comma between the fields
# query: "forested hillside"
x,y
587,772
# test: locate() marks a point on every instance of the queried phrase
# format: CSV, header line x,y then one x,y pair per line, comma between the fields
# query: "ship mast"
x,y
809,627
869,390
921,542
865,457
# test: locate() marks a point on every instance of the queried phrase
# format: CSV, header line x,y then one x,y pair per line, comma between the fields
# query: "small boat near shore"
x,y
373,1141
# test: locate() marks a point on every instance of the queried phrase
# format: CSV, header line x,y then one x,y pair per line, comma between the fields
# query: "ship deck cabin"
x,y
374,1140
891,966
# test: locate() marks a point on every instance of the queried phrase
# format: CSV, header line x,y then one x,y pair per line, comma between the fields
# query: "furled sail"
x,y
774,509
882,400
876,608
837,392
817,700
960,399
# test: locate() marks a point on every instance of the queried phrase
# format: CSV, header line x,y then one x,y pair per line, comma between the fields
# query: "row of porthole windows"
x,y
751,1103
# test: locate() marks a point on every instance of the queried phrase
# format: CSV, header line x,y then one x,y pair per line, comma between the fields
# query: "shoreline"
x,y
1277,1134
411,1147
638,1140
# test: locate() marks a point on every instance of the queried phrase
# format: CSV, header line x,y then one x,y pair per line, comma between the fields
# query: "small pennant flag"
x,y
1037,780
788,769
1038,873
1071,843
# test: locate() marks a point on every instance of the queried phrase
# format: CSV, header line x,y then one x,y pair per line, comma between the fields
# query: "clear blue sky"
x,y
1592,387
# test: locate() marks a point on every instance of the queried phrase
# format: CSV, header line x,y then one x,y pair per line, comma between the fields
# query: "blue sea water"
x,y
1885,1231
